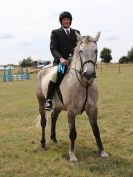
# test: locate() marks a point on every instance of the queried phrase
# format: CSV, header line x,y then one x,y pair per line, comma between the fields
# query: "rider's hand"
x,y
63,61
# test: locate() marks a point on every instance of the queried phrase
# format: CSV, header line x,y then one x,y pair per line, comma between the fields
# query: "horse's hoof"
x,y
43,146
73,158
54,140
104,154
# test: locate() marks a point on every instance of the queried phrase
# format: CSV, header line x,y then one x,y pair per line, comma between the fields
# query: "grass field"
x,y
20,152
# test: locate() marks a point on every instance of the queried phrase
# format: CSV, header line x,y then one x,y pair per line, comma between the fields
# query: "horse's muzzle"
x,y
89,76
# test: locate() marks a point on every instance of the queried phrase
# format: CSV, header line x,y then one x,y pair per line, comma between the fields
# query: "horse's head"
x,y
88,55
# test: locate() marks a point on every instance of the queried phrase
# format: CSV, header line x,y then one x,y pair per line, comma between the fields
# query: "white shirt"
x,y
65,29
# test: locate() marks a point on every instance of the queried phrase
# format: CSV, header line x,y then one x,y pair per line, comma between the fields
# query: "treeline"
x,y
106,56
128,58
26,62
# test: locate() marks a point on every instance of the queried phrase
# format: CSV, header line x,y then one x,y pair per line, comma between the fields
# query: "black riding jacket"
x,y
61,45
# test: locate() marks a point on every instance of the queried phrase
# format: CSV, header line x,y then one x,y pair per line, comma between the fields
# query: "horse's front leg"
x,y
54,117
92,114
72,136
41,101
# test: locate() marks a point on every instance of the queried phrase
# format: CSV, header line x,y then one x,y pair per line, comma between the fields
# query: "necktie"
x,y
67,32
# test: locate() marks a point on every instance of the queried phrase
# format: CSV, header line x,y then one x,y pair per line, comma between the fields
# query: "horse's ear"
x,y
79,37
97,36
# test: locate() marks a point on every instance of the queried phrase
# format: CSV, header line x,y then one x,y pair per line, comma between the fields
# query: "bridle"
x,y
82,67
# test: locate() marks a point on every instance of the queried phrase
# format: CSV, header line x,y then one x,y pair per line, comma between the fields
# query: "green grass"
x,y
20,152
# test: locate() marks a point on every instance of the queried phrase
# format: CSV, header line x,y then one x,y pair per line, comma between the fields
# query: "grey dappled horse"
x,y
79,93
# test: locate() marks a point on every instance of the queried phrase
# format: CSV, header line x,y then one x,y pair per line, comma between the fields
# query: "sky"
x,y
26,25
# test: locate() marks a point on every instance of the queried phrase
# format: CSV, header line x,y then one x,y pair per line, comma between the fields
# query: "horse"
x,y
79,93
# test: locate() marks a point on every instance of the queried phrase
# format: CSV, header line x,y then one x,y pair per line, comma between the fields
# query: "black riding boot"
x,y
50,93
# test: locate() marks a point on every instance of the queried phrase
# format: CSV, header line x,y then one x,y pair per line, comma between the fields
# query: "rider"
x,y
62,44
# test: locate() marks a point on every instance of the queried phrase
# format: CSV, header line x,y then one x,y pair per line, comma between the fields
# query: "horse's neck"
x,y
71,77
75,66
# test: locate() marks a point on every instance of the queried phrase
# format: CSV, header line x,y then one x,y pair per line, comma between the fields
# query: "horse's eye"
x,y
96,51
80,51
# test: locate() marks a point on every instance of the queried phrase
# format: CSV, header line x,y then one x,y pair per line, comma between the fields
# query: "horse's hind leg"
x,y
72,136
41,101
92,113
54,117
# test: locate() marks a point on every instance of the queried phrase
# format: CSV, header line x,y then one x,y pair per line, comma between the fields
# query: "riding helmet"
x,y
65,14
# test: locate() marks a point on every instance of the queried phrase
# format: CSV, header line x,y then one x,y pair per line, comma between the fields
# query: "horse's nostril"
x,y
89,75
94,75
85,74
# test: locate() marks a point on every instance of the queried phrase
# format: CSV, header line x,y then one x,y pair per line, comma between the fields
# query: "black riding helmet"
x,y
65,14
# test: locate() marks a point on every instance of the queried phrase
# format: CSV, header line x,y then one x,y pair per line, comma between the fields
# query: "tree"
x,y
130,55
105,55
123,60
26,62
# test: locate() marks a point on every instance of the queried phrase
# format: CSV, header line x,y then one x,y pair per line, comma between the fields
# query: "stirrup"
x,y
48,105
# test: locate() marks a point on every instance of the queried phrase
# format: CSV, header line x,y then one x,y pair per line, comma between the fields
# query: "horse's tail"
x,y
37,121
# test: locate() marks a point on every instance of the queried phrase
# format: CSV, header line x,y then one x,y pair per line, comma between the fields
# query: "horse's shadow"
x,y
89,159
115,164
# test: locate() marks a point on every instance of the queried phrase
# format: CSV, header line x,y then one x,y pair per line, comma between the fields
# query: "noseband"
x,y
83,64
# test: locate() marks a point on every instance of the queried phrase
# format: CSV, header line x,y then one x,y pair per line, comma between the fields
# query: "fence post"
x,y
4,74
10,74
22,73
27,74
101,69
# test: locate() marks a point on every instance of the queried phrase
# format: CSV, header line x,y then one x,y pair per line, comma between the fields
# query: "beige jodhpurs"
x,y
54,75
